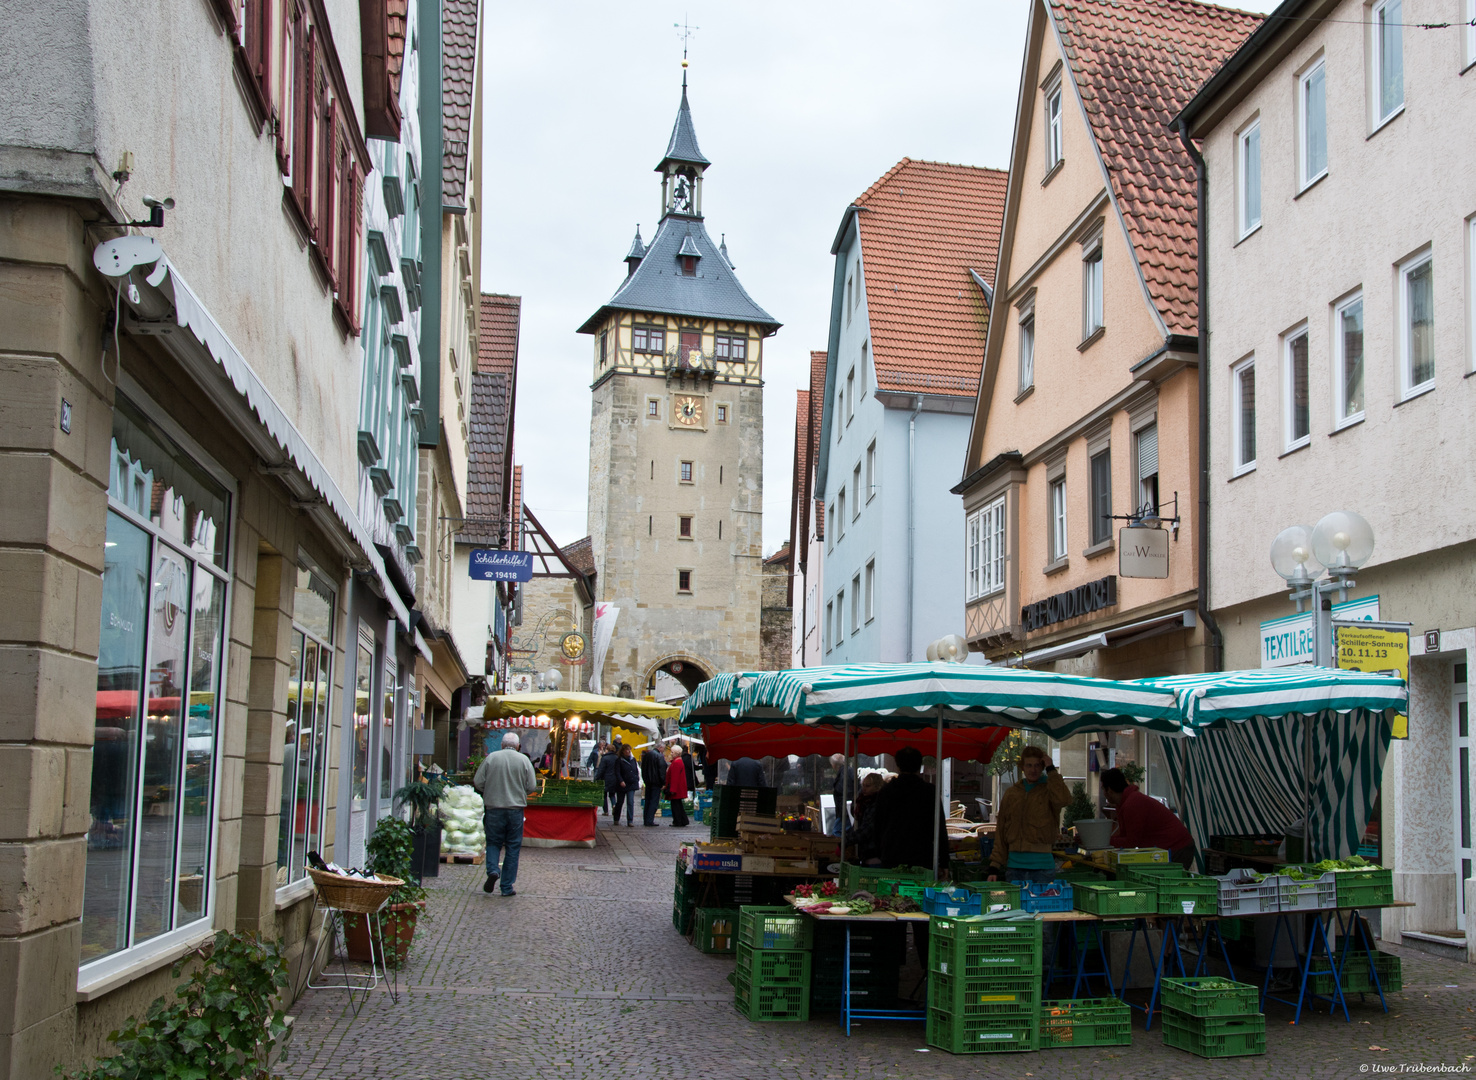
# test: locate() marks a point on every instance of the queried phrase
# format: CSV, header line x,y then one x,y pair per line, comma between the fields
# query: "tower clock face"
x,y
687,410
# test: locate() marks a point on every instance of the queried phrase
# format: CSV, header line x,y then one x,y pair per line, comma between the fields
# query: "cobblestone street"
x,y
581,976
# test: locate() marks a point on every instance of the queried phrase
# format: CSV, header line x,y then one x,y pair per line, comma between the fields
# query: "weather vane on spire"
x,y
685,31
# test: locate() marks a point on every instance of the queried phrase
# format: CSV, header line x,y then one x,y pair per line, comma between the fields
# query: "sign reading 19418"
x,y
489,564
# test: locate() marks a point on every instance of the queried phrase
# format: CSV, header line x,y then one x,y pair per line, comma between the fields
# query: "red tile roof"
x,y
779,558
924,225
399,16
458,83
580,555
1136,63
516,508
499,318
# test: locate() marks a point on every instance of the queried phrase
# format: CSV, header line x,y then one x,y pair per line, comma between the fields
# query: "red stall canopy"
x,y
733,740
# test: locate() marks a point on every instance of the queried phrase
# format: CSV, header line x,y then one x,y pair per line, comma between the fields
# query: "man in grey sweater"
x,y
505,779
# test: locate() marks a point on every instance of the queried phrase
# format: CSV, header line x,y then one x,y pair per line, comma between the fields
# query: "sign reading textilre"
x,y
1082,600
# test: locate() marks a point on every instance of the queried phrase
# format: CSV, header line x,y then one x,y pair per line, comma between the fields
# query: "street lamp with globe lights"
x,y
1338,544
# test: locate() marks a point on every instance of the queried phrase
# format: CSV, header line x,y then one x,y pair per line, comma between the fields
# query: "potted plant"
x,y
421,797
390,852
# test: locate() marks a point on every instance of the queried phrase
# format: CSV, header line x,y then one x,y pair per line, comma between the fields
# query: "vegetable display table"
x,y
559,826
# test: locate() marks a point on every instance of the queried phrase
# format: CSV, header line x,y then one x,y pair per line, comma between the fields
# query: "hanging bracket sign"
x,y
1142,553
489,564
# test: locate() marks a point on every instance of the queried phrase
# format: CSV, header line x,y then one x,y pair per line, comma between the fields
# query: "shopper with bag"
x,y
676,788
653,776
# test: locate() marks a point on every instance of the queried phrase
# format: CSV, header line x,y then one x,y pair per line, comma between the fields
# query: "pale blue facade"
x,y
894,532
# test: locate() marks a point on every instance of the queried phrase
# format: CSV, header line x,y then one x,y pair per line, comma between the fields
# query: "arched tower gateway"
x,y
676,444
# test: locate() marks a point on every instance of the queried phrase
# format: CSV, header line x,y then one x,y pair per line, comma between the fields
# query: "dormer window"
x,y
689,254
689,266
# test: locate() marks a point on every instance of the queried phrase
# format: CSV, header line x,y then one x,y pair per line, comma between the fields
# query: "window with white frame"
x,y
1312,110
1091,289
1243,416
830,529
856,489
865,349
840,514
305,752
855,603
1248,178
1101,496
840,617
984,536
871,471
850,394
1294,391
1145,454
850,298
1027,350
1056,516
1348,360
1417,324
829,624
1388,59
840,412
870,590
1053,126
149,867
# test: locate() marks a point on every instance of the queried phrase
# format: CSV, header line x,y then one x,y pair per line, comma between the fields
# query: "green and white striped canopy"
x,y
914,695
1220,697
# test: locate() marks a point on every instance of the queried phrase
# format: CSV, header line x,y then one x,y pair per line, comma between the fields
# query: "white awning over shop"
x,y
208,355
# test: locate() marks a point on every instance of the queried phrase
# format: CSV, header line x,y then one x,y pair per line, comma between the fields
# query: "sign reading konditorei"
x,y
1142,553
1082,600
489,564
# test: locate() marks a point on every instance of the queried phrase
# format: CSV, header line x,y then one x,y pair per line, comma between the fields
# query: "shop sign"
x,y
1082,600
572,647
1142,553
1289,640
1375,646
489,564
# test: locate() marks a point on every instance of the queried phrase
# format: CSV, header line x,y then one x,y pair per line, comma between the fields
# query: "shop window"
x,y
160,655
363,696
305,752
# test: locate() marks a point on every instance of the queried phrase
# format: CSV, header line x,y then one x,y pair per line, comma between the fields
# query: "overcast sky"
x,y
799,106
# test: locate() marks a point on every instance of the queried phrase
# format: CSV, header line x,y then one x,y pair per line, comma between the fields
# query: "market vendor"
x,y
908,817
1143,821
1029,821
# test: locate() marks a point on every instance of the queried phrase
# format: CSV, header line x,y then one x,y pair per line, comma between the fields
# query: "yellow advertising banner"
x,y
1378,647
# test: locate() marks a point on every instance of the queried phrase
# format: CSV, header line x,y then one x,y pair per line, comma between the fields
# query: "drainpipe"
x,y
911,516
1215,658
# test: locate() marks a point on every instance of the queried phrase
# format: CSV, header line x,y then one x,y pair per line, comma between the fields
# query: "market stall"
x,y
565,812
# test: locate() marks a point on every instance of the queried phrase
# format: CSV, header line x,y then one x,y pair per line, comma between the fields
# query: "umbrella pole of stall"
x,y
840,811
938,790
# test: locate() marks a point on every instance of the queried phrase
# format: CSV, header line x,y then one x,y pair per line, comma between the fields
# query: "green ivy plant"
x,y
222,1025
390,852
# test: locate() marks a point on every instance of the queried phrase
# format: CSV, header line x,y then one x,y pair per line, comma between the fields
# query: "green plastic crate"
x,y
1118,898
1202,997
1215,1036
958,935
969,995
1204,892
1356,979
774,928
770,1003
773,967
994,895
681,918
1364,888
854,878
1085,1022
986,955
1150,873
965,1035
715,930
1076,874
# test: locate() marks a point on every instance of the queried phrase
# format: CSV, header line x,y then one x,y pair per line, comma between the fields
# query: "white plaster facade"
x,y
1397,188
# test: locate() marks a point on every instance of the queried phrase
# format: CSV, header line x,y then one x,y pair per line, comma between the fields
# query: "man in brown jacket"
x,y
1029,821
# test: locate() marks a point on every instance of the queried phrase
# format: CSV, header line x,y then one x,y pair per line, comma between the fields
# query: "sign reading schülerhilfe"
x,y
489,564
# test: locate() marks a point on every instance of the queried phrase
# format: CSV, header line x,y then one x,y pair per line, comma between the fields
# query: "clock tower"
x,y
676,445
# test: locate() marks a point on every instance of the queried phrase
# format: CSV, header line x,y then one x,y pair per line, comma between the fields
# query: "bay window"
x,y
985,557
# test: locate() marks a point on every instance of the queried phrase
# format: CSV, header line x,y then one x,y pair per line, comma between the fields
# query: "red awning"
x,y
757,740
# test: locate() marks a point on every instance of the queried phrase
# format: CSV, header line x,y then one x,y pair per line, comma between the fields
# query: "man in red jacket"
x,y
1143,821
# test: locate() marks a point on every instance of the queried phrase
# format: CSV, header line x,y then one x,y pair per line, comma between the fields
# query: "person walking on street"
x,y
625,793
608,770
505,779
653,776
691,765
676,788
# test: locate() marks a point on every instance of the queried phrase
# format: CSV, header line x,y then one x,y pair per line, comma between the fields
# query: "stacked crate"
x,y
1213,1018
1357,979
984,983
772,977
715,930
876,961
1085,1022
683,901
